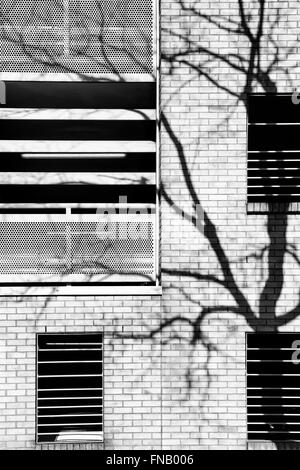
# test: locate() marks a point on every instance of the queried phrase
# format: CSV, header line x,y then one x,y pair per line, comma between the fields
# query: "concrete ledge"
x,y
48,291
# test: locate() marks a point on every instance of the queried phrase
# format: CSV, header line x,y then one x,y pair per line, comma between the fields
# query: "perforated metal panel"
x,y
82,36
76,251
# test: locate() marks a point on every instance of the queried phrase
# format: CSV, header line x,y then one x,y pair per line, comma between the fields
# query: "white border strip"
x,y
30,146
77,290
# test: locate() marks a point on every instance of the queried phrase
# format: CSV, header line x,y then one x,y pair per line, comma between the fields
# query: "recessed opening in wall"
x,y
69,387
273,153
83,36
79,184
273,386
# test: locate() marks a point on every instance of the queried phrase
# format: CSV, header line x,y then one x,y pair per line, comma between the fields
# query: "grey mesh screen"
x,y
78,250
81,36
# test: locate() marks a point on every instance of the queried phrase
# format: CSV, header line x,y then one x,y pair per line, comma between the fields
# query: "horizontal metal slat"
x,y
278,368
274,401
280,359
275,427
273,418
69,408
74,369
267,199
70,362
14,193
77,146
261,157
65,350
270,341
271,381
266,190
71,427
70,343
70,437
87,162
75,113
73,355
69,382
67,389
280,405
276,389
273,137
67,375
90,95
273,168
271,182
67,338
271,410
69,433
274,172
83,178
53,130
274,436
70,400
273,392
74,423
62,420
71,415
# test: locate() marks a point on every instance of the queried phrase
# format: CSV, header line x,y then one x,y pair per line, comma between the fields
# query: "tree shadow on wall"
x,y
259,30
255,64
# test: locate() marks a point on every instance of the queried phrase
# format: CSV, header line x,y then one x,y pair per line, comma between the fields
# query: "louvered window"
x,y
69,387
79,182
273,386
83,36
273,150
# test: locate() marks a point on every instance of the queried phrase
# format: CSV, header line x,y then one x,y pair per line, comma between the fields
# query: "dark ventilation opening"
x,y
273,149
69,387
273,386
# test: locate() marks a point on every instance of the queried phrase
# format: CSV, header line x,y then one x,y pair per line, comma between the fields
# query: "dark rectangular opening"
x,y
69,387
273,386
273,149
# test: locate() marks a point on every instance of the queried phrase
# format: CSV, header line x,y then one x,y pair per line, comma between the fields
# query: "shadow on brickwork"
x,y
256,26
253,27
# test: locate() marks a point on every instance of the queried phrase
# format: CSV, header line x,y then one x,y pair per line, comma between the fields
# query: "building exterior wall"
x,y
172,382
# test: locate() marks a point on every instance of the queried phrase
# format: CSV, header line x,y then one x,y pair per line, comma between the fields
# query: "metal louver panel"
x,y
69,387
80,95
273,149
78,186
273,386
82,36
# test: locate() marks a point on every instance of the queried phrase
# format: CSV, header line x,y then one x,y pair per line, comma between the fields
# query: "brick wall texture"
x,y
175,364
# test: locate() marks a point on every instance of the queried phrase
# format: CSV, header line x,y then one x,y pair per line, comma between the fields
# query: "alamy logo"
x,y
2,93
296,353
296,97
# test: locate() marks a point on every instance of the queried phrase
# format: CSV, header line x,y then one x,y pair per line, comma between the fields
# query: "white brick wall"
x,y
201,99
169,391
